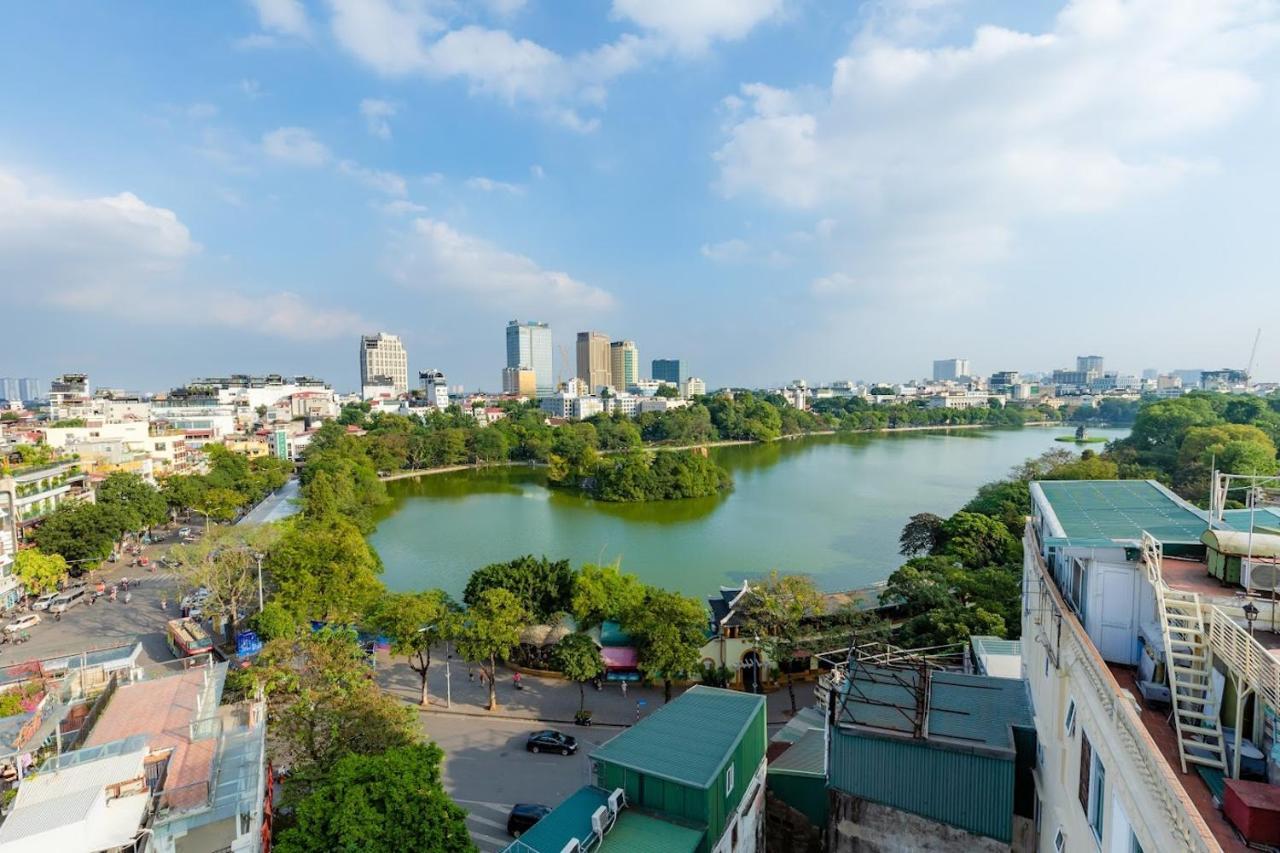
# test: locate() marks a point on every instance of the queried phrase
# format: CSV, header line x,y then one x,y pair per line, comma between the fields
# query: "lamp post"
x,y
1250,614
261,604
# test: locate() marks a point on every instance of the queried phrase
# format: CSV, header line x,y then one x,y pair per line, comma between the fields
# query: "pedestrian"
x,y
128,596
164,603
515,679
471,674
624,688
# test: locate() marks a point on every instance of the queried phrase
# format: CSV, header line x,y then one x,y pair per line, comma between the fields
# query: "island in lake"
x,y
641,476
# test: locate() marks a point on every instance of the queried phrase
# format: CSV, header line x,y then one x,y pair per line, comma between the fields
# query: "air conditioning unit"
x,y
617,800
574,846
1259,576
599,821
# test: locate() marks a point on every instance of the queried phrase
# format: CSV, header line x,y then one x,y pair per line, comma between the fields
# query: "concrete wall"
x,y
860,826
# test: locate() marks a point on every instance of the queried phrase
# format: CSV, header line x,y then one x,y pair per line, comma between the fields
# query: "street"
x,y
487,768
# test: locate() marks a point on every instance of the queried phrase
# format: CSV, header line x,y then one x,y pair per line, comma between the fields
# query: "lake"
x,y
830,506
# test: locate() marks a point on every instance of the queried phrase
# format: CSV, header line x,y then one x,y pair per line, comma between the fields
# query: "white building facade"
x,y
383,355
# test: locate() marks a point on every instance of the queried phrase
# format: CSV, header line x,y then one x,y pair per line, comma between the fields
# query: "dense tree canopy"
x,y
543,587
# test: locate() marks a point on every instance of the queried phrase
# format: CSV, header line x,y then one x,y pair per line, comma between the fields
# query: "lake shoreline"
x,y
477,466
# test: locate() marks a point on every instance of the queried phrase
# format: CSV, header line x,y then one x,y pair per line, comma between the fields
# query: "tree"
x,y
978,540
578,657
325,704
39,573
414,622
604,592
323,569
780,610
383,803
491,445
1008,501
671,392
543,587
1231,448
489,631
134,494
83,533
921,535
182,491
671,630
218,503
225,563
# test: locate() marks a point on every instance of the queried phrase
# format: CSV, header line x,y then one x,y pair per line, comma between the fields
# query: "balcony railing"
x,y
1246,657
1069,645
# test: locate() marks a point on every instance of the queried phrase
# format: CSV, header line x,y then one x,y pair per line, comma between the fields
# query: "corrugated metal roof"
x,y
804,720
641,833
1240,519
969,709
804,757
53,798
1241,543
687,740
1121,510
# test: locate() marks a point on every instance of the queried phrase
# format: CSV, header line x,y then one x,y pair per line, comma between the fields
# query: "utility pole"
x,y
261,603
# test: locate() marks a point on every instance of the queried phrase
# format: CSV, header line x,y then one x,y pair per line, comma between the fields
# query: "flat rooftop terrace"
x,y
1112,510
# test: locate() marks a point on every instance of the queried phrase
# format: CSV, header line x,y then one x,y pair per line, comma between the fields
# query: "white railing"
x,y
1075,651
1246,657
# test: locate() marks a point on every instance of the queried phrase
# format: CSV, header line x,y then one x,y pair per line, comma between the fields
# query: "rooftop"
x,y
804,757
633,831
1120,510
688,740
971,710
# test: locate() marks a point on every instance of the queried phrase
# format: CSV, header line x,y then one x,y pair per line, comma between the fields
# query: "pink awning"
x,y
619,657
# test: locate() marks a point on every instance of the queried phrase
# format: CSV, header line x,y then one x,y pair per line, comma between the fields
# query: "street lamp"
x,y
1250,614
261,604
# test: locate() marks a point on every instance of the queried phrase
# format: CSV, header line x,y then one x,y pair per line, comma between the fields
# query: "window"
x,y
1093,782
1060,841
1069,723
728,781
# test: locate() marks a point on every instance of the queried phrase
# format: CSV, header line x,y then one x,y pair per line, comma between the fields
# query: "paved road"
x,y
487,769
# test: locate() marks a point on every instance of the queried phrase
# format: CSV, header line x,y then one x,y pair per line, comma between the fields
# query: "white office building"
x,y
693,387
950,369
433,382
383,355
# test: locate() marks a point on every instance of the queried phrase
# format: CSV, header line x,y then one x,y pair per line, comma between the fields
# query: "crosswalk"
x,y
487,823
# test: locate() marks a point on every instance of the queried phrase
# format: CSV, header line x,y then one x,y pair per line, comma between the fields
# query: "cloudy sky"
x,y
766,189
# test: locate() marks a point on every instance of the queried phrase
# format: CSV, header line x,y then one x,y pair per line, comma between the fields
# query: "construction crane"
x,y
1248,371
564,359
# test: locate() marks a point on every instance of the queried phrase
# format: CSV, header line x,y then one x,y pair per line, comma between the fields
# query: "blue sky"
x,y
766,189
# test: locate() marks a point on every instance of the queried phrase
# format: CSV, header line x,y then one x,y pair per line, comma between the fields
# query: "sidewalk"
x,y
550,700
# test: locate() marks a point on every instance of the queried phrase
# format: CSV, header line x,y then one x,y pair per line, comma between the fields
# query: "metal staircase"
x,y
1189,664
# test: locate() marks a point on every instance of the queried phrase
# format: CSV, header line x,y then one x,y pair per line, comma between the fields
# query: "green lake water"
x,y
830,506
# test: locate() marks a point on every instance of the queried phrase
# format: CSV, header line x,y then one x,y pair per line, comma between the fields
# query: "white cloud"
x,y
435,255
118,257
489,185
936,156
537,171
505,8
404,37
251,88
401,207
385,182
691,25
376,113
726,251
283,17
295,145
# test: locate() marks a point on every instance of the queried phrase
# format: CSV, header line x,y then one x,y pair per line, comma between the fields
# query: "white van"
x,y
68,599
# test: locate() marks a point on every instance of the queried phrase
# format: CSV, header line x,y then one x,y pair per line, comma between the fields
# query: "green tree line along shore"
x,y
358,766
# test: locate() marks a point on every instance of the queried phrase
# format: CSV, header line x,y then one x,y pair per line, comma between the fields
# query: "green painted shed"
x,y
1226,551
692,759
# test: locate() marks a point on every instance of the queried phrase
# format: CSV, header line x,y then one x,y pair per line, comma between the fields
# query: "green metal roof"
x,y
1121,510
636,832
570,819
687,740
805,757
1263,517
968,709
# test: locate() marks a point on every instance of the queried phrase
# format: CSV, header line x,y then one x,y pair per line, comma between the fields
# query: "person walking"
x,y
624,688
515,679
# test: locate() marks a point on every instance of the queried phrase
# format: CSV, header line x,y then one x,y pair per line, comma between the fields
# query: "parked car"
x,y
552,741
68,599
184,532
22,623
523,816
42,603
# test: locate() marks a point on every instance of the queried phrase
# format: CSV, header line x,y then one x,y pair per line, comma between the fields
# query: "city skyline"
x,y
281,185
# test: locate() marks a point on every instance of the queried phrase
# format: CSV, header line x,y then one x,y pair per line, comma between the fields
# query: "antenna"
x,y
1248,371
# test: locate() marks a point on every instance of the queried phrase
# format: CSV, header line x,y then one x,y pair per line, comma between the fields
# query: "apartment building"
x,y
624,364
594,360
1153,686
